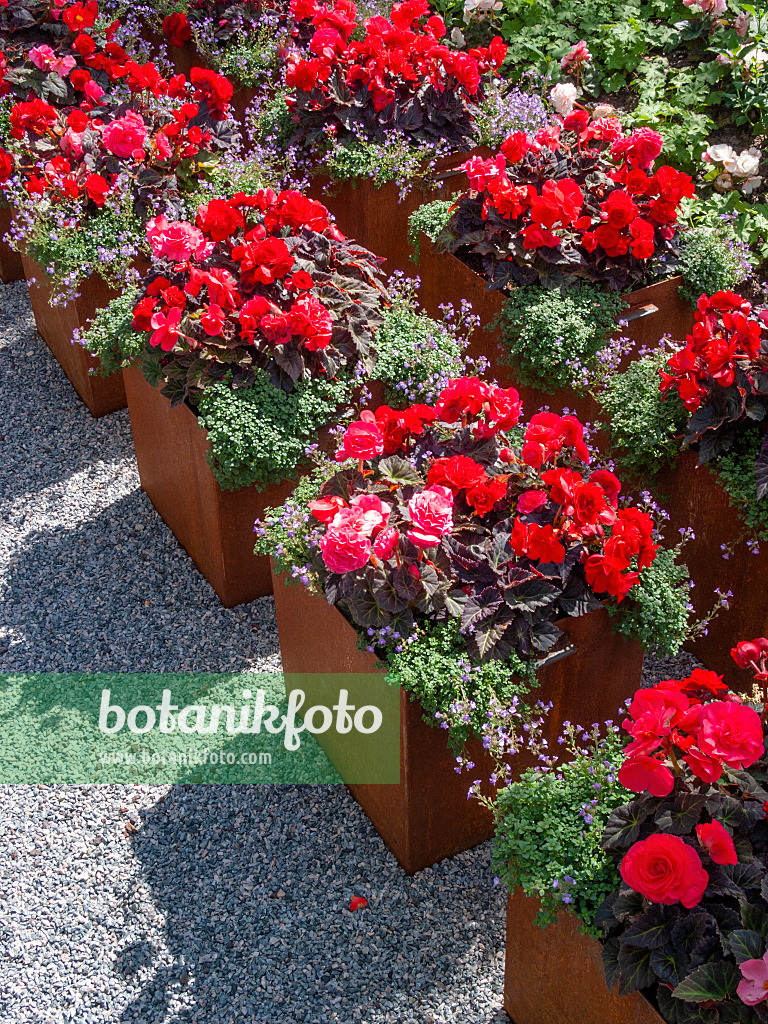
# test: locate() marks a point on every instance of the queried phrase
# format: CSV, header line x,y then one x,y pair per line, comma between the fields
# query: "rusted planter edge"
x,y
637,300
554,975
56,326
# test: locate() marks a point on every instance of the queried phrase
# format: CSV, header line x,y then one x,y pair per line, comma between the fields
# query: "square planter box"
x,y
56,325
377,218
214,526
652,312
694,497
11,267
427,816
554,975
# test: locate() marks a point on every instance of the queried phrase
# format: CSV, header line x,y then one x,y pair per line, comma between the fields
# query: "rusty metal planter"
x,y
11,267
653,311
554,975
214,526
56,326
377,218
694,497
427,816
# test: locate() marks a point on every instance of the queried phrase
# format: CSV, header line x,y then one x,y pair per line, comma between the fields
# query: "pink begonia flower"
x,y
178,240
480,171
63,65
72,144
355,520
93,91
213,319
529,501
42,57
363,439
386,542
162,146
344,548
578,54
642,773
166,329
125,136
753,988
375,512
717,842
45,59
432,515
733,733
713,7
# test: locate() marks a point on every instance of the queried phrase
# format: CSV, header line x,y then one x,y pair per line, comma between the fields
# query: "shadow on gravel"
x,y
118,593
254,884
47,434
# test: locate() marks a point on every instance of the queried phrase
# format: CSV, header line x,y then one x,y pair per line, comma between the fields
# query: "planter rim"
x,y
448,166
629,297
550,658
261,486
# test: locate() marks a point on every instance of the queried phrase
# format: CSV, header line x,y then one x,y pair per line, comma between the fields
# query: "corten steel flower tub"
x,y
554,975
56,325
653,311
694,497
11,267
377,218
427,816
214,526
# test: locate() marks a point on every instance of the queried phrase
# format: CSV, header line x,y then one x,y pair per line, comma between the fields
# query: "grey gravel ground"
x,y
163,905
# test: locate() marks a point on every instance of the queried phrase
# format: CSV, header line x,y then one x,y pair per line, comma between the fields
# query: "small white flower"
x,y
457,37
747,163
719,155
756,58
563,98
749,186
723,182
603,110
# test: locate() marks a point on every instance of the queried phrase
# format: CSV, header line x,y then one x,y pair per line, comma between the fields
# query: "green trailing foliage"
x,y
431,218
69,255
435,670
643,425
736,472
395,159
709,263
554,339
549,825
259,435
656,612
416,355
110,335
249,58
747,220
